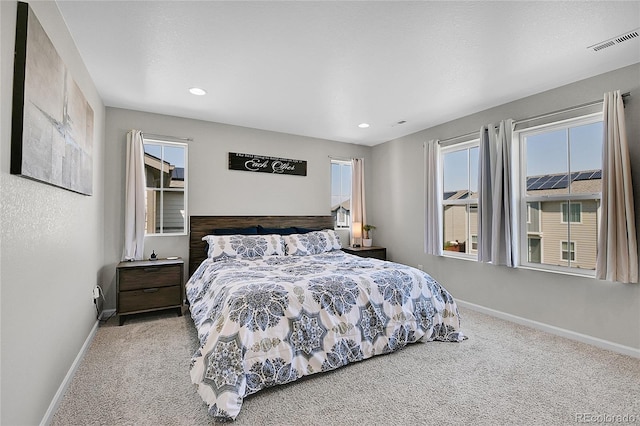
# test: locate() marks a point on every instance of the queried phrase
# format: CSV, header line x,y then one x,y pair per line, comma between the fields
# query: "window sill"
x,y
457,255
581,274
473,258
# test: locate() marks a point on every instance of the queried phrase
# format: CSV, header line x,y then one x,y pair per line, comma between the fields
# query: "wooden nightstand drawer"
x,y
150,277
374,252
145,285
149,298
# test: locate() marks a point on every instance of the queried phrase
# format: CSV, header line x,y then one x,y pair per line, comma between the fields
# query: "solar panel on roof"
x,y
547,185
545,181
448,195
583,176
560,180
563,183
535,186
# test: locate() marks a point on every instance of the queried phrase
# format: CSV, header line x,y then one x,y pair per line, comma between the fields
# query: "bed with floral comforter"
x,y
271,309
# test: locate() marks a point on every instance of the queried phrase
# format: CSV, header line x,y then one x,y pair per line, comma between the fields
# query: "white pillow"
x,y
244,246
314,242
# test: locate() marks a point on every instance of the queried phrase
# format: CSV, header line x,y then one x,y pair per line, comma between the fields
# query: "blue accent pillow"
x,y
250,230
278,231
305,230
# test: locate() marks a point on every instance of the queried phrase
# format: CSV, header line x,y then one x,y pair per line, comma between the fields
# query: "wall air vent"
x,y
630,35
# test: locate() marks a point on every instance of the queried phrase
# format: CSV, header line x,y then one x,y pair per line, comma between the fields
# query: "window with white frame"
x,y
165,165
560,186
572,212
568,250
341,193
460,199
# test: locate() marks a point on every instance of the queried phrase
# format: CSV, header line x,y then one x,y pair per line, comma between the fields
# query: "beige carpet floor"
x,y
138,374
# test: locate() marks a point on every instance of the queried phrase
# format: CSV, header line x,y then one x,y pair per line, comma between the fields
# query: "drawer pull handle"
x,y
150,290
152,269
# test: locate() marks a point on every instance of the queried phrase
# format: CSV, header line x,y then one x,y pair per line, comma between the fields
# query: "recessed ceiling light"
x,y
363,125
197,91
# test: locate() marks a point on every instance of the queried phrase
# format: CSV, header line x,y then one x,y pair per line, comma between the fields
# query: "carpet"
x,y
505,373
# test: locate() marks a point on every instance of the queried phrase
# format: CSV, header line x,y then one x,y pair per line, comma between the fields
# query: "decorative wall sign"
x,y
261,164
52,123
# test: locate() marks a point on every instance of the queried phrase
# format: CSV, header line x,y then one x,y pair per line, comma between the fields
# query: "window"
x,y
571,212
341,193
568,250
460,199
561,174
534,253
165,165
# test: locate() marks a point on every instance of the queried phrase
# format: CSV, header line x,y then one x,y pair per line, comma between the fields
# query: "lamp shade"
x,y
356,229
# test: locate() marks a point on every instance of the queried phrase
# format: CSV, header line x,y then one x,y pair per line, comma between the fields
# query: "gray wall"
x,y
604,310
51,249
213,189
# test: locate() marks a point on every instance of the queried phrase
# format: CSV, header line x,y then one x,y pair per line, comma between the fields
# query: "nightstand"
x,y
373,251
149,285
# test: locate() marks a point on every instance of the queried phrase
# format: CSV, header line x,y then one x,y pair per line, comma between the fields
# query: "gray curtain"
x,y
433,197
135,206
617,246
495,214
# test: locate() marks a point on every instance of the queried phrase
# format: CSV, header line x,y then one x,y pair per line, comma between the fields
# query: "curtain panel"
x,y
433,197
135,208
617,258
496,242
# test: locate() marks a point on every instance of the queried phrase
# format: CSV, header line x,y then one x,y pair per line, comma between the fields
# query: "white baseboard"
x,y
601,343
57,398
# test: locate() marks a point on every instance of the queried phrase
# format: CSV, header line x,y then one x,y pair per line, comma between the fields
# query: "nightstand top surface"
x,y
362,248
147,263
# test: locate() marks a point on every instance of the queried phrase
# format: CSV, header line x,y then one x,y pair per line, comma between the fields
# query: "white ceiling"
x,y
320,68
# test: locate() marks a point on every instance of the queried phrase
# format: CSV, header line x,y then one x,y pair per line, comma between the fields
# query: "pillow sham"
x,y
222,247
279,231
314,242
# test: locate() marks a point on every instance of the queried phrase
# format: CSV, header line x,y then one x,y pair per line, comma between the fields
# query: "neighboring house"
x,y
162,174
557,232
342,214
454,218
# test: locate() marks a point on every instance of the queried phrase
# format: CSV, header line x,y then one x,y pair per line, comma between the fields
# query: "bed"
x,y
285,302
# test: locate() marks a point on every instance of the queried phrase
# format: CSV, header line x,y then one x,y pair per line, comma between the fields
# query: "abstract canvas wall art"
x,y
52,122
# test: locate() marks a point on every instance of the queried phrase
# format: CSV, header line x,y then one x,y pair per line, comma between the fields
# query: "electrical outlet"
x,y
96,292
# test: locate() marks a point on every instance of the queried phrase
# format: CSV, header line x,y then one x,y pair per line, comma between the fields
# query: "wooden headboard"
x,y
199,226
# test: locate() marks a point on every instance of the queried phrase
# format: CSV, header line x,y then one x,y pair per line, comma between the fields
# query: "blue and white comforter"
x,y
272,320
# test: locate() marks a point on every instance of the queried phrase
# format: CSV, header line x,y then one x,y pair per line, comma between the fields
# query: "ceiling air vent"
x,y
630,35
